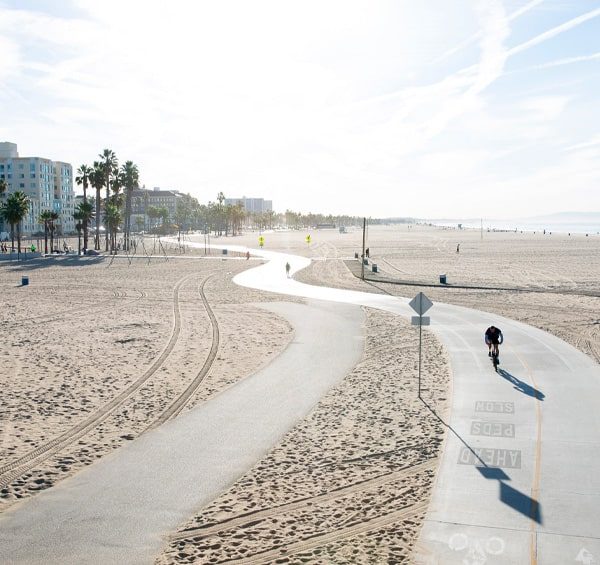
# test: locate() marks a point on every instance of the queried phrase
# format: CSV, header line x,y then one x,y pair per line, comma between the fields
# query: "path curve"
x,y
518,480
120,509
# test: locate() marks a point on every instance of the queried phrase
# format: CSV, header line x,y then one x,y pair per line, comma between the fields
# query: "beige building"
x,y
47,183
142,199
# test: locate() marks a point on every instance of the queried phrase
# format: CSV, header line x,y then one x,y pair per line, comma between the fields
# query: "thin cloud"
x,y
477,36
561,62
555,31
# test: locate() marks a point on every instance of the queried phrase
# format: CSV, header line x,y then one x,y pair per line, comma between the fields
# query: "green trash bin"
x,y
442,279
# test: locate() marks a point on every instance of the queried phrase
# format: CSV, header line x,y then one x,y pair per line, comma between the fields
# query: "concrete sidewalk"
x,y
519,481
118,510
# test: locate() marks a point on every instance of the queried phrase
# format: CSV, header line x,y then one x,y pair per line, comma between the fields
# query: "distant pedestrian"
x,y
458,247
247,255
287,270
367,252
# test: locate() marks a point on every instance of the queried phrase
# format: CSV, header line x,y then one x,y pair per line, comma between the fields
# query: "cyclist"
x,y
493,337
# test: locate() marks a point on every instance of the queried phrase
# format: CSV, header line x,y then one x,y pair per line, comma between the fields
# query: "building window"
x,y
21,185
32,176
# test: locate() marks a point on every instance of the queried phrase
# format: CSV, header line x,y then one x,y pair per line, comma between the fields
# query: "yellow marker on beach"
x,y
261,240
308,239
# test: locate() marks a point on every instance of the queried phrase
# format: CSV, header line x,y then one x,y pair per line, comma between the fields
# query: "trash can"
x,y
24,280
356,254
374,268
224,251
365,261
442,279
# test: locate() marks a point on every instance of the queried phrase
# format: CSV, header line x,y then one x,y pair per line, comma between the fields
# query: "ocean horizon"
x,y
522,226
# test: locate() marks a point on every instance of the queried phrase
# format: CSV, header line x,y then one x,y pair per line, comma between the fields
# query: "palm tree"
x,y
112,217
130,177
78,226
13,211
3,189
220,214
83,179
97,181
110,165
84,174
45,218
85,211
53,217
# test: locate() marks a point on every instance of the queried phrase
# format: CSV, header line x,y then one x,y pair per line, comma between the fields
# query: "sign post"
x,y
420,304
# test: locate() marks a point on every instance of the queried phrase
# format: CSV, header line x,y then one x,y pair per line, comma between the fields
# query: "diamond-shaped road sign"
x,y
420,304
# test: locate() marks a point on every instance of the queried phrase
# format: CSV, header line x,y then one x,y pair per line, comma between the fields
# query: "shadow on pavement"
x,y
521,386
508,495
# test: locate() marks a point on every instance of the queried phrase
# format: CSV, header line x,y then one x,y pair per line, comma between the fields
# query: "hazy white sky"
x,y
431,109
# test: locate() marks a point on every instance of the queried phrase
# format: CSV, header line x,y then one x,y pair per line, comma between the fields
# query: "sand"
x,y
93,353
351,483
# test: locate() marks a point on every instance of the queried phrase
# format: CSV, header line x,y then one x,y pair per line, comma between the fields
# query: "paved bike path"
x,y
519,480
118,510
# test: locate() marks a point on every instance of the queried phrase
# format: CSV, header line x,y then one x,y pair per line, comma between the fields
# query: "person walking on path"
x,y
287,270
458,247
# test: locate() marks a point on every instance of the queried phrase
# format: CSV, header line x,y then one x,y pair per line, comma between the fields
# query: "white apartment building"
x,y
47,183
254,205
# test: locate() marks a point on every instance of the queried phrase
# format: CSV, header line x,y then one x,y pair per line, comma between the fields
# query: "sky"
x,y
430,109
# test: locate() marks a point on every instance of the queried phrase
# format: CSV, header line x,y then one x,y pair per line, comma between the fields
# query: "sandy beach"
x,y
95,352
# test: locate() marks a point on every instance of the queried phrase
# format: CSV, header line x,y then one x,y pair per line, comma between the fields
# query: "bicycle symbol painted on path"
x,y
477,550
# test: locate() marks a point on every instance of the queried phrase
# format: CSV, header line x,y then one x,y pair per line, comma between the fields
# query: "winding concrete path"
x,y
519,481
118,510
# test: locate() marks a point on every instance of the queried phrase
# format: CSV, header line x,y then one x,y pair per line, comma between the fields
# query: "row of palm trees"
x,y
119,182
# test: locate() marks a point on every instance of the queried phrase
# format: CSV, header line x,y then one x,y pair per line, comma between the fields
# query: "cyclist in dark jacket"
x,y
493,338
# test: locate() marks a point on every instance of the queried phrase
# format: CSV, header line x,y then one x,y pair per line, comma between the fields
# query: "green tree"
x,y
163,214
130,177
97,181
110,168
78,216
112,218
14,211
45,218
3,189
52,227
85,214
83,178
153,214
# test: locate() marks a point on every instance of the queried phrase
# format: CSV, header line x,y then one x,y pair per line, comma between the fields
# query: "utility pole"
x,y
362,257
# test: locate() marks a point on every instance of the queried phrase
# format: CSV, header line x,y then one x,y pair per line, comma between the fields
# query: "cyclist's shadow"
x,y
521,386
